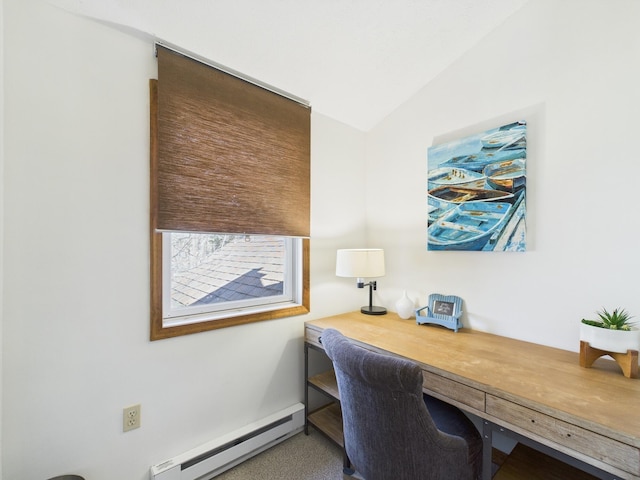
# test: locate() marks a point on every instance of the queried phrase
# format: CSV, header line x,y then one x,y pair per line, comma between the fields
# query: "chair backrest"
x,y
388,431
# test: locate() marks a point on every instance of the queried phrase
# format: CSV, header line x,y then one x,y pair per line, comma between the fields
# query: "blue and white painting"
x,y
476,191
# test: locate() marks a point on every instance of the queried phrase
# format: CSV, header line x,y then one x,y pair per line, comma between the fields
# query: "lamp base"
x,y
373,310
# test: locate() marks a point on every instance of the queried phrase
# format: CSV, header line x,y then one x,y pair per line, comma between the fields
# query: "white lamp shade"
x,y
360,262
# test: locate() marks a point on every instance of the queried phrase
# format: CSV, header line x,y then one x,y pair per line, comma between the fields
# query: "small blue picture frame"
x,y
444,310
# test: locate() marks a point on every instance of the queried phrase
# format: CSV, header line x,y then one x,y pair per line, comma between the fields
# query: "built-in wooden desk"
x,y
530,391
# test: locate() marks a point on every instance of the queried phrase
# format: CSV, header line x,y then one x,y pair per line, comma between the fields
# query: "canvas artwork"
x,y
476,191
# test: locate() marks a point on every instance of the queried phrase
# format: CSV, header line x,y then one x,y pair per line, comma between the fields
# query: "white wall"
x,y
571,69
76,297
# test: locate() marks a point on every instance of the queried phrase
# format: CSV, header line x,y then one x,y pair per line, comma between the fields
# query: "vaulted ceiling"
x,y
354,60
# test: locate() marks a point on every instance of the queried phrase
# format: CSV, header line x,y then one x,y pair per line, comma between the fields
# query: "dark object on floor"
x,y
390,429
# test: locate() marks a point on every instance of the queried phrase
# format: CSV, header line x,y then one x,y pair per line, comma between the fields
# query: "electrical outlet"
x,y
130,418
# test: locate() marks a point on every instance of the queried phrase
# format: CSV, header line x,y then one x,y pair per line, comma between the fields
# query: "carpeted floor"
x,y
300,457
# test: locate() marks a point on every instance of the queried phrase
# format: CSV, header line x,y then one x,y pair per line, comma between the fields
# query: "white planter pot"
x,y
610,340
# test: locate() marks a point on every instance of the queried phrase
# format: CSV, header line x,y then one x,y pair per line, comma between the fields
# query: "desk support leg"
x,y
306,388
487,448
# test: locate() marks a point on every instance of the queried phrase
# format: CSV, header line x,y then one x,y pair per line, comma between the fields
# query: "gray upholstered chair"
x,y
392,431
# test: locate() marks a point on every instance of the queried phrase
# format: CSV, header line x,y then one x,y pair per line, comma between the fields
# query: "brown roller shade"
x,y
233,157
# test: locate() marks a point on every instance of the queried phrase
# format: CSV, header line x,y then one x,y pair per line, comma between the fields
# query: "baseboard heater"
x,y
217,456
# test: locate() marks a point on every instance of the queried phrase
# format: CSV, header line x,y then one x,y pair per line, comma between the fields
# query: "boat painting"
x,y
508,176
476,191
468,226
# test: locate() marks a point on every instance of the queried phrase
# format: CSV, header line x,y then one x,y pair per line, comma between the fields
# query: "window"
x,y
212,276
230,176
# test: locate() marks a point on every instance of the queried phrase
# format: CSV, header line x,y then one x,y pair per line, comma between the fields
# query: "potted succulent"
x,y
612,332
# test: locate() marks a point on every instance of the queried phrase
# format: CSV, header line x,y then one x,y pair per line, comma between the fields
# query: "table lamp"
x,y
362,263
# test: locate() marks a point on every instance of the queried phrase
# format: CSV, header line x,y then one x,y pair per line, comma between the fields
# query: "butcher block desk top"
x,y
592,414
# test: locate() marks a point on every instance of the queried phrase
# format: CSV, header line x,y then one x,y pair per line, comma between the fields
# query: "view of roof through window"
x,y
213,268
